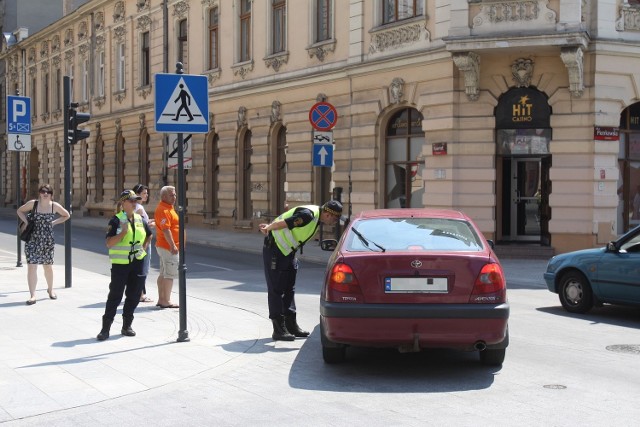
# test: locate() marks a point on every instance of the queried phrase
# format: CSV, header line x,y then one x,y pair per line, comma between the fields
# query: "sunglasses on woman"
x,y
46,192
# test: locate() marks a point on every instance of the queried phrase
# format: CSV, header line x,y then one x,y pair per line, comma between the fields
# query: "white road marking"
x,y
213,266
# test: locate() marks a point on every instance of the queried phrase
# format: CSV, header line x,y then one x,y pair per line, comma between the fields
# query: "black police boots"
x,y
292,326
106,326
280,332
126,327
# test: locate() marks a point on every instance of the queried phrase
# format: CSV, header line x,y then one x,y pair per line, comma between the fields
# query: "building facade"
x,y
524,114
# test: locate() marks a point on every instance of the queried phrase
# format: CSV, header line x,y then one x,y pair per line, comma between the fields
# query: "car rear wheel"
x,y
575,293
493,356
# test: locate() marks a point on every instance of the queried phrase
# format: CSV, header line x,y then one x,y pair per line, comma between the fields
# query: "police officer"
x,y
284,236
127,238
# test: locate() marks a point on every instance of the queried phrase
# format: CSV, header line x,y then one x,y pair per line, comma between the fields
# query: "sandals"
x,y
145,299
52,295
169,306
31,302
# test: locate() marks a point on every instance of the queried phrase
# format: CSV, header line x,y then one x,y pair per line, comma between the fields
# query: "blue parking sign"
x,y
18,114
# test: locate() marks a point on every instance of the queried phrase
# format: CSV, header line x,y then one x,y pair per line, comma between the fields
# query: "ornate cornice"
x,y
242,69
573,60
398,36
180,9
469,64
276,61
144,23
210,3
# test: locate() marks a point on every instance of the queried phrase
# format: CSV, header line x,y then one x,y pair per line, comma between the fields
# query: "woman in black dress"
x,y
39,249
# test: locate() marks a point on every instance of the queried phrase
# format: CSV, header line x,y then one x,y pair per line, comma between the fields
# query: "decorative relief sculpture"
x,y
44,49
180,9
82,30
144,23
118,12
243,70
69,55
142,5
275,111
68,37
211,117
142,120
276,61
100,41
31,56
522,71
321,97
242,117
494,13
573,60
469,64
321,52
44,67
396,37
212,76
55,43
83,49
396,90
210,3
120,32
55,62
99,21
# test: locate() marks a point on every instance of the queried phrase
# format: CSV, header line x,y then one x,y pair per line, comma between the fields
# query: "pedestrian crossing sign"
x,y
181,103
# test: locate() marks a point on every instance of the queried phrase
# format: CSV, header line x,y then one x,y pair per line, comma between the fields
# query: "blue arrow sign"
x,y
18,114
322,155
181,103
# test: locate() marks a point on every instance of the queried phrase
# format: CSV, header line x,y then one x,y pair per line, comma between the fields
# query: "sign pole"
x,y
183,334
67,181
18,204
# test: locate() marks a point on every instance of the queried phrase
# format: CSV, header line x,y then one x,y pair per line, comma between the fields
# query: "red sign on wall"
x,y
605,133
439,148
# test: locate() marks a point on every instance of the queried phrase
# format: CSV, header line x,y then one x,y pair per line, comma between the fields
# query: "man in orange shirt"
x,y
168,226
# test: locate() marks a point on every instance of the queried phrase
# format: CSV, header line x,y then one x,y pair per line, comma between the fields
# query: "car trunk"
x,y
405,277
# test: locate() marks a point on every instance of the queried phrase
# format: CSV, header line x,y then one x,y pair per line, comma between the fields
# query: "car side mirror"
x,y
328,245
490,242
611,247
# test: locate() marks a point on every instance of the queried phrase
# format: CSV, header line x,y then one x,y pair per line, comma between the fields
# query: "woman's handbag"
x,y
25,234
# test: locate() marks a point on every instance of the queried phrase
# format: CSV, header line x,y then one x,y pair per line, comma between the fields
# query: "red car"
x,y
414,279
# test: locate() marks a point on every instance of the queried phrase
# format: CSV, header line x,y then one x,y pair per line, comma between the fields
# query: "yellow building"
x,y
523,113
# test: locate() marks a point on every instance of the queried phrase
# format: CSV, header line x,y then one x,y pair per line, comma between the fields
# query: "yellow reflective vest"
x,y
131,243
290,240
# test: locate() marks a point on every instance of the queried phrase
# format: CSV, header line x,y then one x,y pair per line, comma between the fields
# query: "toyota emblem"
x,y
416,263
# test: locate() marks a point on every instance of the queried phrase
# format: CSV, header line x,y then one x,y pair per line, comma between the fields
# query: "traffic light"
x,y
76,119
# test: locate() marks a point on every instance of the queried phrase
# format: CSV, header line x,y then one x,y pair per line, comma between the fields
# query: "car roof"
x,y
412,213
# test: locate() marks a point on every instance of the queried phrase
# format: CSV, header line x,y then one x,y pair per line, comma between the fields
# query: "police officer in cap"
x,y
284,236
127,238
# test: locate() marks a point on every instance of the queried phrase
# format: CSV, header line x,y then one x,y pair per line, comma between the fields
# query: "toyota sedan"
x,y
591,277
413,279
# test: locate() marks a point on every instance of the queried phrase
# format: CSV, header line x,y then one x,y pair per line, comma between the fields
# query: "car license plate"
x,y
416,285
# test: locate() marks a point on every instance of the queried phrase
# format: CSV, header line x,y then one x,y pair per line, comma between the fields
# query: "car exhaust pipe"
x,y
480,345
411,348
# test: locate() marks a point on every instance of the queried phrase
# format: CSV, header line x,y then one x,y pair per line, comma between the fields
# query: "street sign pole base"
x,y
183,336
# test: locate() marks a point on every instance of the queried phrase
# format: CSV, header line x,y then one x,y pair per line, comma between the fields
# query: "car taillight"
x,y
343,285
489,287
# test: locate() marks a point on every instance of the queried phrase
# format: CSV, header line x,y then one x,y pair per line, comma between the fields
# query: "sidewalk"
x,y
52,361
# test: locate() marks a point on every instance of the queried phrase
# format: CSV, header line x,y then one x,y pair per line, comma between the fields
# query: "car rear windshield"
x,y
402,234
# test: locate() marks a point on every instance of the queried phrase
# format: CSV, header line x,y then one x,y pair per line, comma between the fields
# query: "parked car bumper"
x,y
425,325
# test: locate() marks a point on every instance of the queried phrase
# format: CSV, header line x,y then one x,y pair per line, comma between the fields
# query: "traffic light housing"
x,y
76,119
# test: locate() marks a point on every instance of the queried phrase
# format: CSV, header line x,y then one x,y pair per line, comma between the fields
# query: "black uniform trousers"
x,y
280,272
124,276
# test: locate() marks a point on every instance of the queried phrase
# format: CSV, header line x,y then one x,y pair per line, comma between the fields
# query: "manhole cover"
x,y
555,386
625,348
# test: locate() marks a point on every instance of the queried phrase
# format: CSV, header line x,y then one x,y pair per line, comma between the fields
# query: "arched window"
x,y
404,139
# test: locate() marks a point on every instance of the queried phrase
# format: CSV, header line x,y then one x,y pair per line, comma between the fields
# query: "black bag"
x,y
25,234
